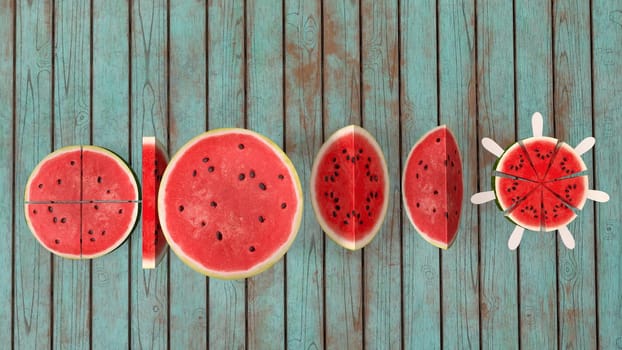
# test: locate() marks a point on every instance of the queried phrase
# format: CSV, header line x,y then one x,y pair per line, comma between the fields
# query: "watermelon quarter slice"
x,y
350,187
81,202
432,187
155,160
230,203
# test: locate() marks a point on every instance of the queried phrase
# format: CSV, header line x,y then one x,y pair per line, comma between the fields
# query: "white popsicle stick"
x,y
585,145
515,237
491,146
598,196
566,237
537,124
483,197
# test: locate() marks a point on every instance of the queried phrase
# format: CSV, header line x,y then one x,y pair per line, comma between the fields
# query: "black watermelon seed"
x,y
336,200
337,166
241,146
345,222
219,235
360,222
63,220
435,192
194,172
241,177
337,207
56,241
360,150
205,160
446,214
40,186
261,219
348,215
251,174
344,151
181,208
34,211
99,179
417,204
90,232
92,239
104,232
434,210
417,175
425,167
369,159
348,157
283,205
281,177
72,162
367,207
262,186
58,181
120,211
95,207
332,178
420,161
108,191
336,174
325,178
331,194
50,209
203,223
251,249
334,159
334,214
367,173
213,204
438,139
210,169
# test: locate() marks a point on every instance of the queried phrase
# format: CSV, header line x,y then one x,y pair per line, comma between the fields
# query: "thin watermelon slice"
x,y
230,203
566,163
154,163
350,187
518,165
432,187
81,202
514,189
540,150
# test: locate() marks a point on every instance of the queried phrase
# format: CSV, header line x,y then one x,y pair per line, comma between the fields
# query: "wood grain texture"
x,y
419,113
342,106
7,55
458,107
380,108
149,306
573,109
226,107
495,97
265,316
537,254
607,69
303,137
111,107
72,123
187,118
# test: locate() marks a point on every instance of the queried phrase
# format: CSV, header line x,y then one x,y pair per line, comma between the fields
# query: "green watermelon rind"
x,y
278,254
334,236
128,171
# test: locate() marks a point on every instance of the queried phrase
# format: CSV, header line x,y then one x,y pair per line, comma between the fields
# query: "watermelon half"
x,y
350,187
230,203
432,187
81,202
155,160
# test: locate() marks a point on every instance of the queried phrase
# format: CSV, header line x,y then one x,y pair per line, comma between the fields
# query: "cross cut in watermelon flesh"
x,y
81,202
349,187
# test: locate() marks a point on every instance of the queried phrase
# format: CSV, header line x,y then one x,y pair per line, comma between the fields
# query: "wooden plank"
x,y
495,100
607,69
419,113
33,141
72,84
342,106
110,321
537,252
573,110
187,108
303,118
458,107
226,101
264,103
149,111
382,257
7,55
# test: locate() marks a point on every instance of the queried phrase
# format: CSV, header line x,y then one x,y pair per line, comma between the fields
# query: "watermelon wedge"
x,y
350,187
540,183
81,202
432,187
230,203
155,160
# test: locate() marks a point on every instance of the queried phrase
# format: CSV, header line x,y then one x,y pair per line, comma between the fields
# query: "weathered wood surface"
x,y
110,72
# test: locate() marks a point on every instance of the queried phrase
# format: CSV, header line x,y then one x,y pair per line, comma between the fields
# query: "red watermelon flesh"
x,y
573,191
555,212
565,163
74,190
517,165
230,203
514,189
540,151
154,163
432,187
349,182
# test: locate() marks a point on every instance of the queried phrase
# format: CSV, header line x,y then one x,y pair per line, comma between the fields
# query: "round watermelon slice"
x,y
230,203
539,183
432,187
350,187
155,160
81,202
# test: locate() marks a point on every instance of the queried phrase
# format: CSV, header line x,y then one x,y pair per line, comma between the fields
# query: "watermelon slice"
x,y
230,203
432,187
539,183
81,202
350,187
155,160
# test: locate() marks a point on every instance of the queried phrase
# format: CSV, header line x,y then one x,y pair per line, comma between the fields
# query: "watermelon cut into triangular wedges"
x,y
81,202
230,203
432,187
154,163
350,187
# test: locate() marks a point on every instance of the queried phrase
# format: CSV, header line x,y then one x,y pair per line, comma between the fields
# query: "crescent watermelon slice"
x,y
155,160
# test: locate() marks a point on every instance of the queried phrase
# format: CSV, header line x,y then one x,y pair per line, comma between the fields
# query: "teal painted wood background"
x,y
109,72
